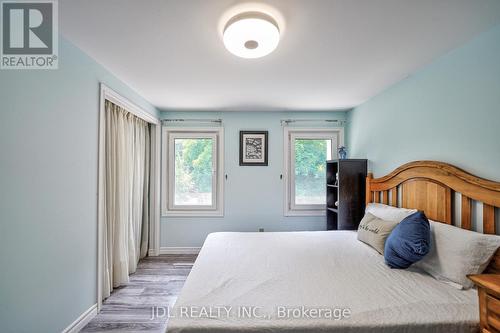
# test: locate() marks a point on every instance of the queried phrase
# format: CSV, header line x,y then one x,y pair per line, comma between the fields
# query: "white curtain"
x,y
126,229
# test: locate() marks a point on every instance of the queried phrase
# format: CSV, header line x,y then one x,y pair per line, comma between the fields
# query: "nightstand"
x,y
488,289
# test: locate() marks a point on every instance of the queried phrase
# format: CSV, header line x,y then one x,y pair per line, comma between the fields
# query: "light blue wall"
x,y
448,111
253,195
48,185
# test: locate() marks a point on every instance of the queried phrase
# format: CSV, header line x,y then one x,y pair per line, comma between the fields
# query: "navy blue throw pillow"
x,y
408,242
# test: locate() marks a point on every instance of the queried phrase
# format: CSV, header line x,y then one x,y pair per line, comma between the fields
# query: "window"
x,y
306,151
192,160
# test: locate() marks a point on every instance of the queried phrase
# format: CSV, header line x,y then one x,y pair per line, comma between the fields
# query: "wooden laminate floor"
x,y
156,283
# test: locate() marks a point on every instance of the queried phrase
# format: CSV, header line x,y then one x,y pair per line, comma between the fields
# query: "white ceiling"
x,y
334,54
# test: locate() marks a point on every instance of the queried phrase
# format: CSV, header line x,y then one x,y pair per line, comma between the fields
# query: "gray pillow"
x,y
456,252
374,231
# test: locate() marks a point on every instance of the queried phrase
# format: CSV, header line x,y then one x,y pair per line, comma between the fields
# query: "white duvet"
x,y
267,282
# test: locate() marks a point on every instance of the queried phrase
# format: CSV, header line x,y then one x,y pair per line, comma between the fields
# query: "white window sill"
x,y
305,213
192,214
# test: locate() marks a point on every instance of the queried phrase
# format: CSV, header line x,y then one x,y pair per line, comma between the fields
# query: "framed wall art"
x,y
253,148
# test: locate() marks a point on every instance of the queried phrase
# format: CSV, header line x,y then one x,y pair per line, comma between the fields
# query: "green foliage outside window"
x,y
193,165
310,157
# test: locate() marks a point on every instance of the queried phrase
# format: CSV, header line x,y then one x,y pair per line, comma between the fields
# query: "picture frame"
x,y
254,148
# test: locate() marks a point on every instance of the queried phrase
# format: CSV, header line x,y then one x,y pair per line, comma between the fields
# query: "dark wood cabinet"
x,y
345,193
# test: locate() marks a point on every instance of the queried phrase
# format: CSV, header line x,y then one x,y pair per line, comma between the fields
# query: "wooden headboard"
x,y
429,186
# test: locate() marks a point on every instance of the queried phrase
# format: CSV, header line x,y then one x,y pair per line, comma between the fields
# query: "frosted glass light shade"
x,y
251,35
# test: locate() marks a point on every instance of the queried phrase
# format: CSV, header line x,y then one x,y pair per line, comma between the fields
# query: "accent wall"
x,y
253,194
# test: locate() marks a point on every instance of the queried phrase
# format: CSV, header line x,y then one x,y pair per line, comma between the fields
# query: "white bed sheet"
x,y
323,269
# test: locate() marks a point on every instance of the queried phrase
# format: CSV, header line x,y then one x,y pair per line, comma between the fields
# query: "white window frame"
x,y
289,134
168,172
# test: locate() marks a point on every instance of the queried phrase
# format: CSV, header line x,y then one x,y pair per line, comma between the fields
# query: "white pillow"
x,y
388,213
456,252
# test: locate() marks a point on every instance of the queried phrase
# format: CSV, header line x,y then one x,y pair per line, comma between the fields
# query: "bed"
x,y
328,281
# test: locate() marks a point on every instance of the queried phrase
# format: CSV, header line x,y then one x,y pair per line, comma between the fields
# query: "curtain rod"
x,y
289,121
219,121
283,121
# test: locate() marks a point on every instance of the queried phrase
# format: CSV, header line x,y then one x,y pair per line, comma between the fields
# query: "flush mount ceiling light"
x,y
251,35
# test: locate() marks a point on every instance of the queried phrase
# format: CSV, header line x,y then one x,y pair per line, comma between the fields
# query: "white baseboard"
x,y
179,250
81,321
153,253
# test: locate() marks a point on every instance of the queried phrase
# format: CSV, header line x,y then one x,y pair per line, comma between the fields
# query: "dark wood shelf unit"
x,y
349,192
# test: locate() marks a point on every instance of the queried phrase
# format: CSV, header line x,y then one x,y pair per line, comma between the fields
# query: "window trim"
x,y
289,207
168,178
